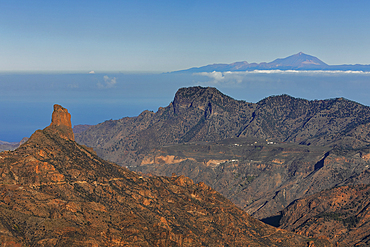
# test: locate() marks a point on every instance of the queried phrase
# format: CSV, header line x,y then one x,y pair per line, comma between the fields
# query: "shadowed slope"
x,y
184,136
55,192
205,114
342,214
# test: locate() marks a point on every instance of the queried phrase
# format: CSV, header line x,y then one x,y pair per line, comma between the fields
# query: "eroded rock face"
x,y
54,192
261,178
341,214
61,121
205,114
61,117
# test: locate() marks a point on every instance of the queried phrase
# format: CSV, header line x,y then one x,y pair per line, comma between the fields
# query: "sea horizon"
x,y
91,98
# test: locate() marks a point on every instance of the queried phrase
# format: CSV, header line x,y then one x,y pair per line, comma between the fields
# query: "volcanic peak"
x,y
298,60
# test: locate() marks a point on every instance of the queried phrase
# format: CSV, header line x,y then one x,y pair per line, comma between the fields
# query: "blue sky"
x,y
172,35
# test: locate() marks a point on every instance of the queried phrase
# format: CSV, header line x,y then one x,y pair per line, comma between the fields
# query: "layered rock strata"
x,y
54,192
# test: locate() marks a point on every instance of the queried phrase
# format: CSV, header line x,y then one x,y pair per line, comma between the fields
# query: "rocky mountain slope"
x,y
55,192
341,213
260,177
208,137
205,114
80,128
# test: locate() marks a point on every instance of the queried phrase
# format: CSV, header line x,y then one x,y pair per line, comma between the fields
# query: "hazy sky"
x,y
172,35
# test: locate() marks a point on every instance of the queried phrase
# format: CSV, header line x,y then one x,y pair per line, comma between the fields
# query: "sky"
x,y
48,48
161,36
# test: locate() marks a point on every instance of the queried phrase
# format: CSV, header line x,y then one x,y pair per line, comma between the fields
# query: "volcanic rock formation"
x,y
54,192
316,145
342,214
205,114
61,121
260,176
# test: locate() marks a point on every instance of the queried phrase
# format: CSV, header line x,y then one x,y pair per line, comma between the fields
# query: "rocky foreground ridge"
x,y
55,192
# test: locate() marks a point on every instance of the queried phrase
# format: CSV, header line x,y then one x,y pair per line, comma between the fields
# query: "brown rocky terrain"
x,y
341,214
55,192
317,145
77,129
260,177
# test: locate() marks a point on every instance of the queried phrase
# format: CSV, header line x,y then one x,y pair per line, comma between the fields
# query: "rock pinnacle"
x,y
61,116
61,120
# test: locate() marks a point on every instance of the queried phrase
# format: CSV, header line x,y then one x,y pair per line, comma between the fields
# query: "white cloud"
x,y
239,76
217,76
92,72
307,72
108,82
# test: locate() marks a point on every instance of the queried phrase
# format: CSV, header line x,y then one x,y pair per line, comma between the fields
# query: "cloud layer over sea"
x,y
26,100
239,76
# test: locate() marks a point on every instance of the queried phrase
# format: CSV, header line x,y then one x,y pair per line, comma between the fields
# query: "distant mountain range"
x,y
299,61
11,145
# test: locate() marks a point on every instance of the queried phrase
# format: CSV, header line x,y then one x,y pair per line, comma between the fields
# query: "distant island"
x,y
299,61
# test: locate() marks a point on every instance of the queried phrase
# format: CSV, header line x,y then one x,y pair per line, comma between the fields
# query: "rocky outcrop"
x,y
54,192
61,117
341,214
61,122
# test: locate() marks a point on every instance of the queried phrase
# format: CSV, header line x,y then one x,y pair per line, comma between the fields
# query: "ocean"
x,y
27,99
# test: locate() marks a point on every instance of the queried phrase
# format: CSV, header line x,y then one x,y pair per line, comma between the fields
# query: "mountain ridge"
x,y
55,192
206,114
273,145
299,61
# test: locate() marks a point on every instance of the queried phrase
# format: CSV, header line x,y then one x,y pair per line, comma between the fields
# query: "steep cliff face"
x,y
342,214
205,114
61,117
54,192
61,122
330,122
195,114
